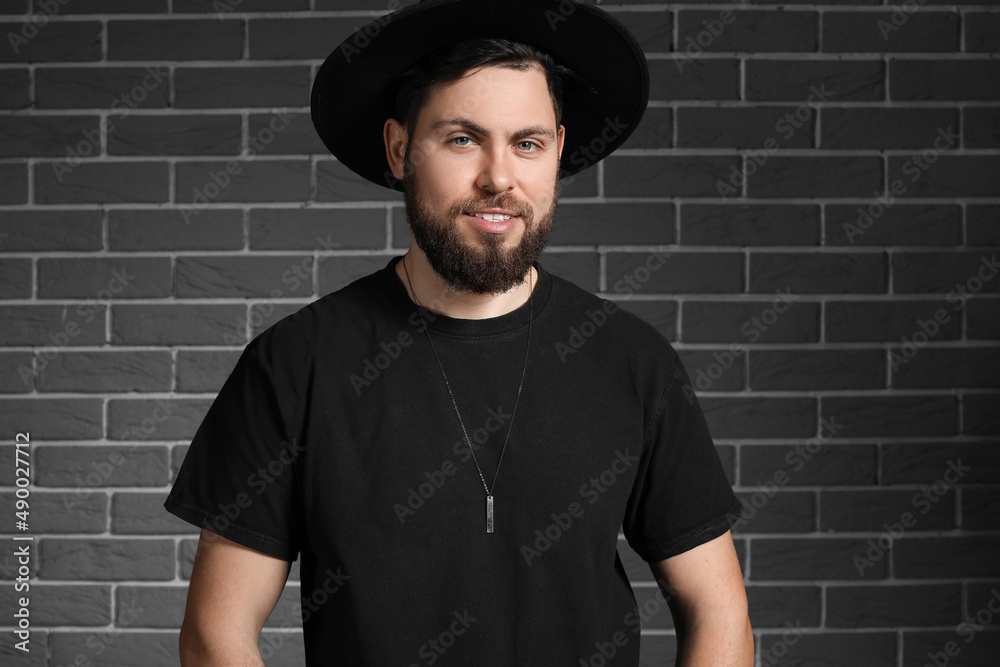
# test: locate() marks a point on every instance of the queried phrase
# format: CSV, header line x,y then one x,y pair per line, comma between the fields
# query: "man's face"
x,y
481,178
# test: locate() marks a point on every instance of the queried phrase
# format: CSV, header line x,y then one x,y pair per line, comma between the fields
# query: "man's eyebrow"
x,y
536,130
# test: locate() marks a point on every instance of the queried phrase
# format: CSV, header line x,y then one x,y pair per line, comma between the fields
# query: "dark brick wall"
x,y
826,177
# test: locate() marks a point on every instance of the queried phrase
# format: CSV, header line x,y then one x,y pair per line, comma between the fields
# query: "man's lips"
x,y
494,220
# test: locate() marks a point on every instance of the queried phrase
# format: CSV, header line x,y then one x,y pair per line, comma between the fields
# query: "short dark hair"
x,y
454,61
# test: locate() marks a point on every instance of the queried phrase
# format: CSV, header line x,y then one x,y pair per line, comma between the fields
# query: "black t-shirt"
x,y
335,438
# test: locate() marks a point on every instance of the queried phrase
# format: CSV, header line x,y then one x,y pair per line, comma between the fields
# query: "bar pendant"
x,y
489,514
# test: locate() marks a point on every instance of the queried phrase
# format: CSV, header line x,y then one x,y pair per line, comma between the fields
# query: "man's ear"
x,y
395,138
562,139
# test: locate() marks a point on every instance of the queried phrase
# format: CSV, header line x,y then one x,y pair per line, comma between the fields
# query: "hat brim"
x,y
354,91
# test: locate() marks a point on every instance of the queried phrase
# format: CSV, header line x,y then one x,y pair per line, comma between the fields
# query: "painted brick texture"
x,y
825,177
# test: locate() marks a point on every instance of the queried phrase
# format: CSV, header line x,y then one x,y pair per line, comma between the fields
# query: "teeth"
x,y
493,217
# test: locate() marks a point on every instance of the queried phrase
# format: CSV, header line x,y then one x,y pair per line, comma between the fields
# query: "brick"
x,y
732,322
857,176
338,272
117,7
106,559
944,79
163,605
818,463
15,183
982,319
981,127
80,511
155,649
101,183
981,30
142,514
224,8
41,231
100,278
678,273
56,41
826,558
601,224
746,31
718,370
979,595
880,415
305,38
13,6
14,89
875,224
118,88
742,127
683,78
933,175
317,229
819,273
288,134
58,326
776,512
201,372
242,181
53,418
879,511
893,606
662,315
235,87
175,39
16,373
750,224
277,277
665,176
337,183
176,135
811,370
875,32
814,80
981,508
918,646
137,419
37,136
89,372
580,268
759,417
98,466
15,278
774,606
982,222
875,321
946,557
926,463
62,604
656,130
173,324
582,184
977,367
980,415
955,273
161,229
873,127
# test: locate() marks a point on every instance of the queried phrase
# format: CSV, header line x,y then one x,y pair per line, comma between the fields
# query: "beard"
x,y
487,268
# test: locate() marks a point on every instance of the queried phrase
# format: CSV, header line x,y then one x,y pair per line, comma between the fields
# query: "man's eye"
x,y
527,145
462,141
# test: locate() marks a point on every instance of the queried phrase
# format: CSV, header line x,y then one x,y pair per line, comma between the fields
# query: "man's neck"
x,y
435,295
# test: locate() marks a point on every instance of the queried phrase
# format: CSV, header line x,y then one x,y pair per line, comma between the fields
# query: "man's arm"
x,y
705,591
233,591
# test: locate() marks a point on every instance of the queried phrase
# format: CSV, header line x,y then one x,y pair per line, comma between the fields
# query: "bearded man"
x,y
453,443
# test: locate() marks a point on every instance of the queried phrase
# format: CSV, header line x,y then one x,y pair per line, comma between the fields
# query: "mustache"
x,y
504,201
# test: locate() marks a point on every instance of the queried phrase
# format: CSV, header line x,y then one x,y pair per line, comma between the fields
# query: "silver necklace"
x,y
488,488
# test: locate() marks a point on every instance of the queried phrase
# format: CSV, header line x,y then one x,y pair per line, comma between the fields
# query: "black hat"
x,y
354,92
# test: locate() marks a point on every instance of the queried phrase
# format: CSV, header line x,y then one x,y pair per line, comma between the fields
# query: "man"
x,y
451,460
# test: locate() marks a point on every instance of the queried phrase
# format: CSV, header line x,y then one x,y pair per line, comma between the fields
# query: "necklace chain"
x,y
487,487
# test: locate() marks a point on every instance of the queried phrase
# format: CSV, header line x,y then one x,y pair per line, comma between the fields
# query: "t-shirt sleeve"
x,y
238,478
681,497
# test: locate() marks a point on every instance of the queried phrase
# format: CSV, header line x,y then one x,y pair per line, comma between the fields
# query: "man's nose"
x,y
496,172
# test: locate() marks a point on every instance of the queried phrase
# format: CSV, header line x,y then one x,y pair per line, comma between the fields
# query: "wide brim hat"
x,y
354,91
